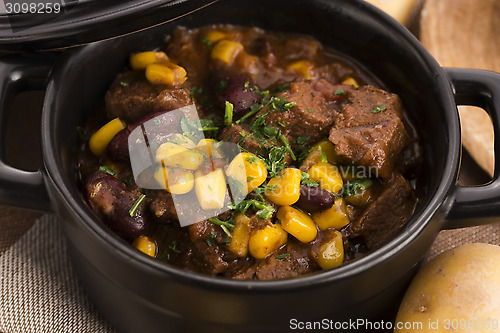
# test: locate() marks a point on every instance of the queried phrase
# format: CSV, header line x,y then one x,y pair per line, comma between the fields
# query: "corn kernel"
x,y
143,59
226,50
209,148
351,82
100,139
328,149
247,169
334,217
145,245
327,175
241,236
297,223
286,187
215,36
267,240
303,67
210,189
331,253
175,181
168,73
182,140
314,157
173,155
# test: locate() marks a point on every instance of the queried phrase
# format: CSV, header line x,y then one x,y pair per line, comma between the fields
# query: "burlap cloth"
x,y
39,292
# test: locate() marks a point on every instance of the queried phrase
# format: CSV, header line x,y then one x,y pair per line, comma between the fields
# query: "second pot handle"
x,y
25,189
476,205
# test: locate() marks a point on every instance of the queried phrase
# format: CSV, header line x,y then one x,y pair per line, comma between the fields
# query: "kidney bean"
x,y
239,92
314,198
164,124
109,199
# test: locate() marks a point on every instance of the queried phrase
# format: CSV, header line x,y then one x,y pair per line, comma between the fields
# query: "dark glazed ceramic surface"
x,y
159,298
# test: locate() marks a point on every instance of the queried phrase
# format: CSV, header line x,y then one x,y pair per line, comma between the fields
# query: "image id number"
x,y
32,8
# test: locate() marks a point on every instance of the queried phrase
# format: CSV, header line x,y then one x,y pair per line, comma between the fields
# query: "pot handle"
x,y
477,205
21,72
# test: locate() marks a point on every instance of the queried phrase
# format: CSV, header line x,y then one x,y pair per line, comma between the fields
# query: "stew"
x,y
249,154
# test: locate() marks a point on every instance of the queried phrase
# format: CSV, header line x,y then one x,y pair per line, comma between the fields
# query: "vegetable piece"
x,y
315,198
331,253
175,181
241,236
286,187
459,288
226,50
182,140
143,59
100,139
314,157
351,82
209,147
169,73
249,170
327,175
210,189
303,67
266,240
328,149
297,223
145,245
215,36
173,155
228,114
334,217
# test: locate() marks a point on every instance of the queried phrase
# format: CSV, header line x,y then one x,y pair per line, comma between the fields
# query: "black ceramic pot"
x,y
140,294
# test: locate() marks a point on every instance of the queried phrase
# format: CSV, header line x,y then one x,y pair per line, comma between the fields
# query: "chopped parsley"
x,y
207,42
339,92
226,226
302,140
355,187
275,162
283,256
379,108
124,84
106,169
211,241
305,180
228,114
136,205
173,247
287,146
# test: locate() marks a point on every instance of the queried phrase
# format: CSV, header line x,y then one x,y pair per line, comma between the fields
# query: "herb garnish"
x,y
211,241
106,169
302,140
136,205
275,162
228,114
227,226
379,108
339,92
173,247
283,256
355,187
305,180
207,42
287,145
124,84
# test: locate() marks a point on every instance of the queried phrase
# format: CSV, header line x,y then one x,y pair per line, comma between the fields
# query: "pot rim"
x,y
413,228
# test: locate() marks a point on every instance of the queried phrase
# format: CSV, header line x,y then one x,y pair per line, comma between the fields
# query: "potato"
x,y
458,291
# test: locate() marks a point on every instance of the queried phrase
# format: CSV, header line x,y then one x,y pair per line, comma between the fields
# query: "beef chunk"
x,y
240,134
384,216
207,259
162,207
314,113
241,269
369,131
131,97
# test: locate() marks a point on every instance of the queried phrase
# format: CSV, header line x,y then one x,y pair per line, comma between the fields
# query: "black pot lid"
x,y
36,25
